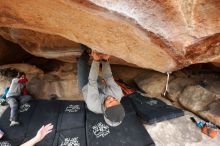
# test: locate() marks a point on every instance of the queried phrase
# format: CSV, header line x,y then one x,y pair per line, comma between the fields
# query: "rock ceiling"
x,y
163,35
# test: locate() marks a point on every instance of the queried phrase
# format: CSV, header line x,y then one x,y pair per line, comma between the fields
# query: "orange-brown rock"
x,y
153,83
43,45
159,35
216,62
60,79
62,82
47,45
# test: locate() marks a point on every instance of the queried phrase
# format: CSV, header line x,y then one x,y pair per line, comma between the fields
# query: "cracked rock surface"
x,y
160,35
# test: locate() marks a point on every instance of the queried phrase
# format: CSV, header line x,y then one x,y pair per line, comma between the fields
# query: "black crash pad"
x,y
130,133
127,104
73,126
68,118
70,137
153,110
47,111
72,115
16,135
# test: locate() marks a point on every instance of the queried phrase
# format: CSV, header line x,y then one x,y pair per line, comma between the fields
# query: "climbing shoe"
x,y
14,123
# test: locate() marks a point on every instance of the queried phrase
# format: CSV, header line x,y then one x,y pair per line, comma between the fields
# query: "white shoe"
x,y
14,123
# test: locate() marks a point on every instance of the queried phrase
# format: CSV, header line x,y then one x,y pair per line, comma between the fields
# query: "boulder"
x,y
176,86
61,82
153,83
202,102
5,82
48,46
213,86
27,68
126,73
42,44
213,112
180,131
182,32
196,98
8,72
57,78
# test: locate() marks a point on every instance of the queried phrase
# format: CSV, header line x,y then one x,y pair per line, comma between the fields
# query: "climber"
x,y
14,96
101,95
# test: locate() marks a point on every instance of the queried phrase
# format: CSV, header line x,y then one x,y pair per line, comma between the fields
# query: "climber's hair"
x,y
20,74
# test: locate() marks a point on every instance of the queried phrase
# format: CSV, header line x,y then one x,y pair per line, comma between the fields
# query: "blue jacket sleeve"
x,y
5,93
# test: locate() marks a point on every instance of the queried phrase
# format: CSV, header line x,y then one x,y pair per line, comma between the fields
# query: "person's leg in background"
x,y
24,99
83,67
12,101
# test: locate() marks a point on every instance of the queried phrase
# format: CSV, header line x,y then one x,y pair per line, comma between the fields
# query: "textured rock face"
x,y
201,101
180,132
153,83
176,87
11,53
60,79
43,45
61,82
195,89
196,98
47,45
159,35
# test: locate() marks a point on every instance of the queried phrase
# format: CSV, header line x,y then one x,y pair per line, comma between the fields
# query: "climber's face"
x,y
111,101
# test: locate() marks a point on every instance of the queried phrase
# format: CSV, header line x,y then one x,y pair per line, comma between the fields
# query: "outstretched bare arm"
x,y
42,132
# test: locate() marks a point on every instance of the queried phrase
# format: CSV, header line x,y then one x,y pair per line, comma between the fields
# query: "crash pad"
x,y
16,135
72,115
73,124
153,110
47,111
70,137
130,133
